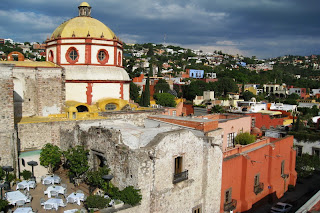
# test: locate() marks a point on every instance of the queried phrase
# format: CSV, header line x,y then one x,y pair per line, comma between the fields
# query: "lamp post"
x,y
7,169
3,185
107,178
32,164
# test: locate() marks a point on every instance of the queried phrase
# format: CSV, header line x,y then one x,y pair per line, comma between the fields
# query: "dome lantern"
x,y
84,9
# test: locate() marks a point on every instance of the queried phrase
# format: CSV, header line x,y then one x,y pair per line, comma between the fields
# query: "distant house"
x,y
276,89
302,92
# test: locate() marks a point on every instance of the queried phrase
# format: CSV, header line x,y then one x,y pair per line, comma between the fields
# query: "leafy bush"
x,y
3,204
306,165
2,174
130,195
114,193
94,178
305,136
244,138
96,201
26,174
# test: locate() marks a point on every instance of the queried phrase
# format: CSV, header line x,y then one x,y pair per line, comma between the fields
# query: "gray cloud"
x,y
263,28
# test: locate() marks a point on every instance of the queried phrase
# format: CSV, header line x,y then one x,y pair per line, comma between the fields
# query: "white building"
x,y
92,57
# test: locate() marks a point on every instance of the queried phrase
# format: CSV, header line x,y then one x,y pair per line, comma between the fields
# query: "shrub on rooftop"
x,y
244,138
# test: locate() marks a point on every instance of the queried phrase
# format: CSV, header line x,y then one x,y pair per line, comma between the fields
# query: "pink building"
x,y
231,124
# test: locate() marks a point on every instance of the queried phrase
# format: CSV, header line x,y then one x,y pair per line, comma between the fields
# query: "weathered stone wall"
x,y
7,133
41,91
133,117
203,162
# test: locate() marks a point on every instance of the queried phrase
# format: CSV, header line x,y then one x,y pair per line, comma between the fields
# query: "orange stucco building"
x,y
257,172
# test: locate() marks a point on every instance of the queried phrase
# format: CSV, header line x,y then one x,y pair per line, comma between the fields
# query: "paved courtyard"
x,y
38,193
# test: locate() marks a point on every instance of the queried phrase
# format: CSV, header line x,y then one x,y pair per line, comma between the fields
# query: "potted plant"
x,y
118,204
96,202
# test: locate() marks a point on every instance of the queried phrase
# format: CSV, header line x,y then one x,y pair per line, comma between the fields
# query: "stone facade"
x,y
39,91
143,155
7,133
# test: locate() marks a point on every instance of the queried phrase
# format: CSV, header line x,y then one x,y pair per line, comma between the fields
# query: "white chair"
x,y
42,201
64,204
47,182
79,191
20,186
20,203
48,207
54,193
70,200
33,185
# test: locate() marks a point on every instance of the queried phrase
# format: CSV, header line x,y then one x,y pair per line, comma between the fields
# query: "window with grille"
x,y
73,55
230,139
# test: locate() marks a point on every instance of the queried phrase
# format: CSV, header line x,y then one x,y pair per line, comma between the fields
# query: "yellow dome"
x,y
83,26
84,4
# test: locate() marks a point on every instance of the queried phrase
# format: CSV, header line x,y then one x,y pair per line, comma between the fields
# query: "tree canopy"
x,y
134,92
165,99
50,156
77,160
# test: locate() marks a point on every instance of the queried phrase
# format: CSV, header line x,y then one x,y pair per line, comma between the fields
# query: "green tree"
x,y
195,88
77,160
217,109
165,99
306,165
145,97
226,85
162,86
50,156
134,92
94,178
244,138
247,95
26,174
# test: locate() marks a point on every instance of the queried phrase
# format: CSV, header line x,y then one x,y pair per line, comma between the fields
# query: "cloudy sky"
x,y
264,28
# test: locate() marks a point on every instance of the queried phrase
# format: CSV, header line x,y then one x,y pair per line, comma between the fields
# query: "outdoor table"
x,y
77,197
58,189
52,179
13,197
55,202
23,210
71,211
26,184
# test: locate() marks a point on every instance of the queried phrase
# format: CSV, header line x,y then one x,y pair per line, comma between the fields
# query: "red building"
x,y
257,173
265,121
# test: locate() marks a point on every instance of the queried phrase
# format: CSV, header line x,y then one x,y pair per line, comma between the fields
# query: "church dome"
x,y
83,26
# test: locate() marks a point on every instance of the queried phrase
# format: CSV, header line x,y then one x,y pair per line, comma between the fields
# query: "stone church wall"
x,y
39,91
7,133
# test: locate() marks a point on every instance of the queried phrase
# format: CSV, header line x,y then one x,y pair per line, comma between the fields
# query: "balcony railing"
x,y
180,177
258,188
230,206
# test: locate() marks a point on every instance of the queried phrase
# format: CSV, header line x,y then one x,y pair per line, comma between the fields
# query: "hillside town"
x,y
93,124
